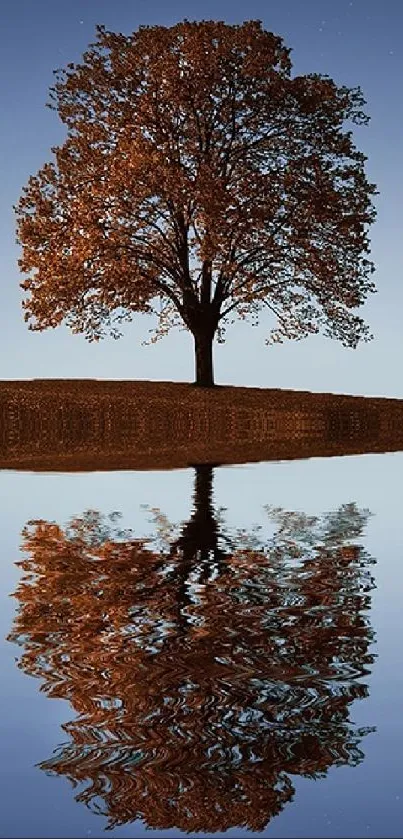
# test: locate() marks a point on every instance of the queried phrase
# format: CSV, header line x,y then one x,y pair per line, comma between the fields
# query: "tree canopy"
x,y
199,181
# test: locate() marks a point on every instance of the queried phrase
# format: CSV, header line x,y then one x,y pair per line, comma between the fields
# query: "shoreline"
x,y
103,425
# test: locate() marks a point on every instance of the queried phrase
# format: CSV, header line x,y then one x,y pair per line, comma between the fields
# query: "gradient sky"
x,y
356,42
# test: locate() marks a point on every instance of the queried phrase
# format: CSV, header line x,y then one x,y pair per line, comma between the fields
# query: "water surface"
x,y
206,650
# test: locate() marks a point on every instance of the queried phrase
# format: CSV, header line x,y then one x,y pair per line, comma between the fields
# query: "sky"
x,y
356,42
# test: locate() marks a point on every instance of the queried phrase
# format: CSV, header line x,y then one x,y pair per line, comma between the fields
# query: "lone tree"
x,y
199,181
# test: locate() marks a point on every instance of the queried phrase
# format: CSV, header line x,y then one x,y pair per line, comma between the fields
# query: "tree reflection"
x,y
205,669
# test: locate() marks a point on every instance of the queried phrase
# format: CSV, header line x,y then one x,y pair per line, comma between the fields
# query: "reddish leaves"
x,y
196,171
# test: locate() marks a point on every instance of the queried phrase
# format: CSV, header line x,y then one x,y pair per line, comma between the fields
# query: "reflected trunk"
x,y
198,543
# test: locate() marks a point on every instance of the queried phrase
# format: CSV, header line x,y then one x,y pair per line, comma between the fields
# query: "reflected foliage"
x,y
205,668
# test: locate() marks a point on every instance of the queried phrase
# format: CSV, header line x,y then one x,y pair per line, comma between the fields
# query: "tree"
x,y
203,676
199,181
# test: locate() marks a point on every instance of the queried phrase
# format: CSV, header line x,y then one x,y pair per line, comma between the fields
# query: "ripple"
x,y
197,696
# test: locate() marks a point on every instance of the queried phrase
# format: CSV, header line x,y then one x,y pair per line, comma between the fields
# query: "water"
x,y
223,656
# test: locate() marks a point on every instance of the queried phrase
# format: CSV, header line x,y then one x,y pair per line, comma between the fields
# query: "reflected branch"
x,y
203,675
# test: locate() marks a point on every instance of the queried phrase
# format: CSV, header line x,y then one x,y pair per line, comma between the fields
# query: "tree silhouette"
x,y
202,676
199,181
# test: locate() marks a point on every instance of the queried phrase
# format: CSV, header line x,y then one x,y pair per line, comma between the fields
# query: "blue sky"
x,y
355,42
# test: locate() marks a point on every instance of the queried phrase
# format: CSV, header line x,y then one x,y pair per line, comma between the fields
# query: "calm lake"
x,y
203,650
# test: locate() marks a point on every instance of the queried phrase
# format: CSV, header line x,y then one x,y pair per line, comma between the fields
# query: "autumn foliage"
x,y
203,675
199,181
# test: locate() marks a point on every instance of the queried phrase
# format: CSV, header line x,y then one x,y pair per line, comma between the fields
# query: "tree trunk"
x,y
204,358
